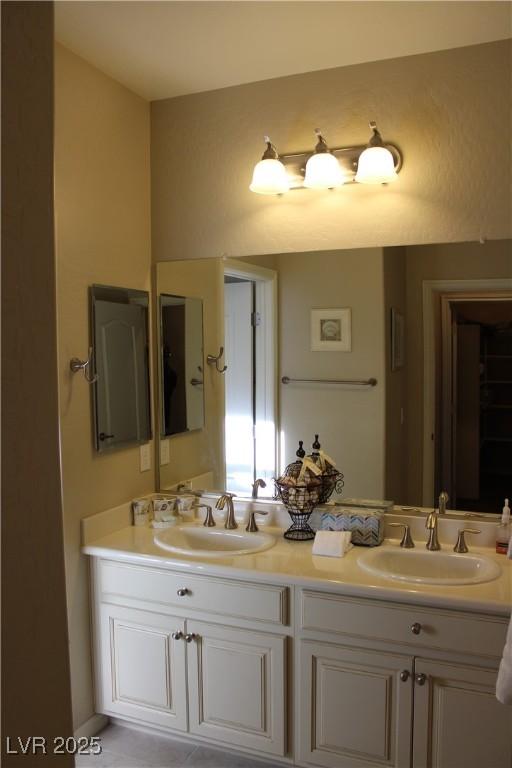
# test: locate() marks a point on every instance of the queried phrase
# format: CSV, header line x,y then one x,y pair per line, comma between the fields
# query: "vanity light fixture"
x,y
269,176
376,164
328,167
323,170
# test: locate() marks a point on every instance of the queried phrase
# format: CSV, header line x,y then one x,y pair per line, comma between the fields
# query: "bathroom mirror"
x,y
432,324
181,364
122,412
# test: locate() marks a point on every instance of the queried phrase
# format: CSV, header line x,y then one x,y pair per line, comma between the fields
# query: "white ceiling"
x,y
163,49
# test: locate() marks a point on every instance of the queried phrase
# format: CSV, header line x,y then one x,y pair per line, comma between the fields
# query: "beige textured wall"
x,y
350,421
36,696
444,109
102,202
456,261
396,394
194,453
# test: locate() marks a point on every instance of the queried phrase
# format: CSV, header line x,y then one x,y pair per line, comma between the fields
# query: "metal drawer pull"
x,y
416,628
190,636
404,675
177,635
182,592
421,679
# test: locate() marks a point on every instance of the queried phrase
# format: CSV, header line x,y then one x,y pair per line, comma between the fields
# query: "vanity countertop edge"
x,y
292,564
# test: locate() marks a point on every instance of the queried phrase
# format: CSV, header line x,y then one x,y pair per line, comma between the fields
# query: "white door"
x,y
355,710
239,427
237,686
458,722
142,667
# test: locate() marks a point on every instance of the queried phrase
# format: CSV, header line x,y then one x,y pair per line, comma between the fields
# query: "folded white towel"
x,y
332,543
504,681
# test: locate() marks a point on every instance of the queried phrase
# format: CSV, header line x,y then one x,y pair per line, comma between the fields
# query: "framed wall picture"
x,y
331,330
397,340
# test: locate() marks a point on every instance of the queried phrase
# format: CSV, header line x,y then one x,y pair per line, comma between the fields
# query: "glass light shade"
x,y
323,171
269,178
376,166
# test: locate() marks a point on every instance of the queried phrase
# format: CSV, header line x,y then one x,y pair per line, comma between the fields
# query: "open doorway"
x,y
250,302
475,456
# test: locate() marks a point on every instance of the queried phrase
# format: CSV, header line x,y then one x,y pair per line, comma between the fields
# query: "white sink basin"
x,y
423,567
212,542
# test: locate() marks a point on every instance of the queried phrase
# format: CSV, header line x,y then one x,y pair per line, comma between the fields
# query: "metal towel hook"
x,y
76,365
212,360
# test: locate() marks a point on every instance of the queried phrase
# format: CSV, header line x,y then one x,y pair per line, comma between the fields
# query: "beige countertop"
x,y
292,563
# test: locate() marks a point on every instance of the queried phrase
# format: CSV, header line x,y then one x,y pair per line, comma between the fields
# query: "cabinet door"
x,y
355,710
458,722
142,668
237,686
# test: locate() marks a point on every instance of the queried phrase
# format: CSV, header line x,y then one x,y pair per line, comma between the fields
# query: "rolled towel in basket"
x,y
332,543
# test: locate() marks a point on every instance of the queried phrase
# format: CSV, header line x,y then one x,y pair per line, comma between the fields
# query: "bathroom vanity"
x,y
307,660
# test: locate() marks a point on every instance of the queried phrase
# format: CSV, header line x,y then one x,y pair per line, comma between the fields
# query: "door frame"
x,y
266,282
477,290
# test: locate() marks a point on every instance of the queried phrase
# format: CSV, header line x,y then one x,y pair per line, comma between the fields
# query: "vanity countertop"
x,y
292,563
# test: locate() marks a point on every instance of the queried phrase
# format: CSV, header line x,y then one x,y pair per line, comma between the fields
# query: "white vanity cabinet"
x,y
388,685
192,653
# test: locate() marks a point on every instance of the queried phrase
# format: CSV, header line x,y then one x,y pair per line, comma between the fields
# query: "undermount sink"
x,y
424,567
212,542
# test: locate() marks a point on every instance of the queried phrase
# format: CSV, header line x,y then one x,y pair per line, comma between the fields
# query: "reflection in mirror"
x,y
122,412
181,364
433,325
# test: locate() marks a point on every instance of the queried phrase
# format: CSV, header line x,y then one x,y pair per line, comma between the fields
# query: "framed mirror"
x,y
181,364
122,410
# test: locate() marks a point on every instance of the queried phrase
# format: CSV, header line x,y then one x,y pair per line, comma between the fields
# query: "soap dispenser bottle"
x,y
504,531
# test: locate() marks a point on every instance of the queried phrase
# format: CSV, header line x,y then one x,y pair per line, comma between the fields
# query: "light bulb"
x,y
269,176
376,164
323,170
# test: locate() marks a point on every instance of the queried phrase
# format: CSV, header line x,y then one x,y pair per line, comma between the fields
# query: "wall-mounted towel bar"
x,y
357,382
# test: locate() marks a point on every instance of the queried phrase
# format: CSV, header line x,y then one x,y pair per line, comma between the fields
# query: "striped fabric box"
x,y
366,525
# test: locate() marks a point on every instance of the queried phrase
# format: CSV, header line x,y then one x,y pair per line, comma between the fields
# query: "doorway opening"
x,y
475,452
250,301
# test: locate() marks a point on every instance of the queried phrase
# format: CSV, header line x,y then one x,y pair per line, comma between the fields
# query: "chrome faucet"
x,y
443,501
227,499
258,483
431,526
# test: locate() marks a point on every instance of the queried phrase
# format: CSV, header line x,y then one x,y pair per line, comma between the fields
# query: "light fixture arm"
x,y
321,145
270,153
376,138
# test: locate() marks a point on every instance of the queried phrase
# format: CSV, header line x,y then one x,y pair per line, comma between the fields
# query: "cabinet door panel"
x,y
237,686
458,722
354,708
143,674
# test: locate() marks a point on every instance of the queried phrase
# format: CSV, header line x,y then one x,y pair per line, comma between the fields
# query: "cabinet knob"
x,y
416,628
177,635
182,592
190,636
421,679
404,675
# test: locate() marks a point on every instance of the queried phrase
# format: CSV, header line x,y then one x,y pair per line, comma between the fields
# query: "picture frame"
x,y
397,340
331,330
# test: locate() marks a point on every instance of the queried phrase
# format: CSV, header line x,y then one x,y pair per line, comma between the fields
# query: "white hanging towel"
x,y
504,681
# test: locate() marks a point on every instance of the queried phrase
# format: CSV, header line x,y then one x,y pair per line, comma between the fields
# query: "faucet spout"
x,y
431,526
258,483
226,500
443,501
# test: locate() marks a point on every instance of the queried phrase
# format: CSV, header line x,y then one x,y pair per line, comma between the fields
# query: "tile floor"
x,y
127,748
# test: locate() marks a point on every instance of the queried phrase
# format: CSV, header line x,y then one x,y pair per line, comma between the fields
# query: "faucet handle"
x,y
461,545
251,526
407,541
209,522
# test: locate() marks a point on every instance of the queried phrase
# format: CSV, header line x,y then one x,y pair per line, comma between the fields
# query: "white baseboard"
x,y
92,726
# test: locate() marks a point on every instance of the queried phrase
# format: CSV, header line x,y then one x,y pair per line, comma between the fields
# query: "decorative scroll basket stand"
x,y
300,500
